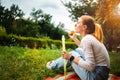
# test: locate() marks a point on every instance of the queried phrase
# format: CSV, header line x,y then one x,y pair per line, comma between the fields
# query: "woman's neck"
x,y
83,34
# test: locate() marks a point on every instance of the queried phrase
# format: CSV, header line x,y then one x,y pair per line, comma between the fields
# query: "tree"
x,y
76,8
47,28
45,23
2,31
58,31
40,24
16,12
7,17
110,21
27,28
36,14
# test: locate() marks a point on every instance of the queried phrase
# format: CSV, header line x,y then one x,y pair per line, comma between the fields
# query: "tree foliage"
x,y
36,14
8,16
2,31
110,21
27,28
39,26
47,28
76,8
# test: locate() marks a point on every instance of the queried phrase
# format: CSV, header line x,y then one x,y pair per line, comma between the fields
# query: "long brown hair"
x,y
89,21
98,32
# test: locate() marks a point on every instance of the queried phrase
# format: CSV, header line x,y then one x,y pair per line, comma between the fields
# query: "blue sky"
x,y
52,7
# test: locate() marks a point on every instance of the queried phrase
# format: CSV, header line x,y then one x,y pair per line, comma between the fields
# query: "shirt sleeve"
x,y
89,63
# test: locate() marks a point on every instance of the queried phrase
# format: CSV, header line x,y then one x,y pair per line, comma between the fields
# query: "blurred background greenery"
x,y
26,45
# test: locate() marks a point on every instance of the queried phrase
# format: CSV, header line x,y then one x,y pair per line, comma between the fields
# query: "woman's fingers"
x,y
65,55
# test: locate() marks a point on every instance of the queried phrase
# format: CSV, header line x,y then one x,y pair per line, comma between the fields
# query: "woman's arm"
x,y
75,39
89,62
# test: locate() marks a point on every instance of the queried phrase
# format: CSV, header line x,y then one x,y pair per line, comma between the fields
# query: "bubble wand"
x,y
63,46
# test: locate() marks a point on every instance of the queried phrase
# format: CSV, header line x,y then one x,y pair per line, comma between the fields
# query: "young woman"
x,y
98,34
91,60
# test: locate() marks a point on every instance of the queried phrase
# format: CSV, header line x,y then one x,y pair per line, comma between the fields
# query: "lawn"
x,y
19,63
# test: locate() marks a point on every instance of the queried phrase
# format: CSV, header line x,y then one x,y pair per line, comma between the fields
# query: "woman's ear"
x,y
85,27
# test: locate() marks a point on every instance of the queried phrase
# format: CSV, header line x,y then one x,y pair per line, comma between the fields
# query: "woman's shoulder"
x,y
88,37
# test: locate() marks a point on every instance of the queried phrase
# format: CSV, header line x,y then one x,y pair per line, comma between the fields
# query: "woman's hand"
x,y
72,35
66,55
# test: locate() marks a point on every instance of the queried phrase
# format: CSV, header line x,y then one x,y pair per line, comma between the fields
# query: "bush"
x,y
13,40
2,31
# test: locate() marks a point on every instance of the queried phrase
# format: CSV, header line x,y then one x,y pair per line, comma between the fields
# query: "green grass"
x,y
115,63
25,64
19,63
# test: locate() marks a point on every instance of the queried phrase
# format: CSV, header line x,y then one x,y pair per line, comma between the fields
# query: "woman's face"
x,y
79,27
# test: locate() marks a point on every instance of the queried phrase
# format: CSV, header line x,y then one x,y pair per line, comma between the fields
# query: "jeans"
x,y
100,72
